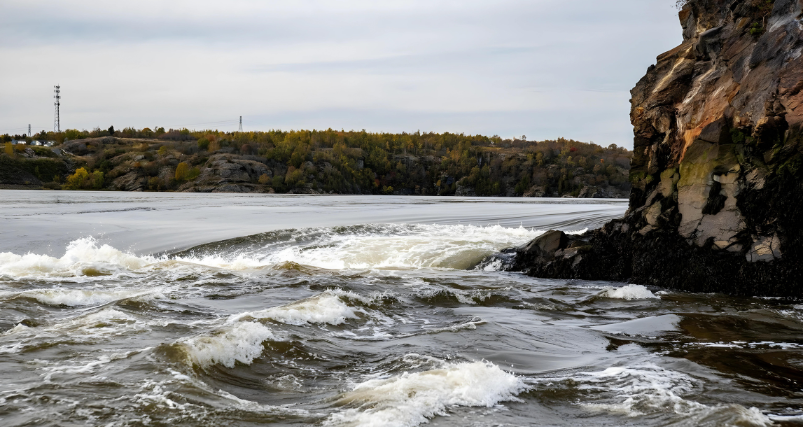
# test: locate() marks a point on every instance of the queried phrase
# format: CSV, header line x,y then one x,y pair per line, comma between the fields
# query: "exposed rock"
x,y
228,173
77,148
464,190
536,191
591,192
717,170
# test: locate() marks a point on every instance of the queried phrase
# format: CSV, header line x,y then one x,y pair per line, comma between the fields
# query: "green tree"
x,y
72,134
97,180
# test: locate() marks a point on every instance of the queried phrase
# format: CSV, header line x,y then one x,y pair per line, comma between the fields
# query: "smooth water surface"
x,y
196,309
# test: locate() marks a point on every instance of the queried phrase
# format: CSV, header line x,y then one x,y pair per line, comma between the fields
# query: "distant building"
x,y
43,143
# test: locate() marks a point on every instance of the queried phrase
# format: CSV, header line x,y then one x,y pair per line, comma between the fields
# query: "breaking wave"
x,y
77,297
324,308
649,390
629,292
83,257
389,246
410,399
240,342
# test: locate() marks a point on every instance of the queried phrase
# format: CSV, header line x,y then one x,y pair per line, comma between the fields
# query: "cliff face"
x,y
717,200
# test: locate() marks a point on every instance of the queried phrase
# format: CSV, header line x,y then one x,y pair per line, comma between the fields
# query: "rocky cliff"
x,y
717,197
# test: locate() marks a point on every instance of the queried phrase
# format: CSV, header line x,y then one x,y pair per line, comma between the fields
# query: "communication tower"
x,y
241,123
29,130
56,123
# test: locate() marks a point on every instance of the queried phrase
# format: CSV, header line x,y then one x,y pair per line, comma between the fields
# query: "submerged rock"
x,y
717,171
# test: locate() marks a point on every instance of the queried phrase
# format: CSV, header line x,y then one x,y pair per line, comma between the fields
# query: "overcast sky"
x,y
540,68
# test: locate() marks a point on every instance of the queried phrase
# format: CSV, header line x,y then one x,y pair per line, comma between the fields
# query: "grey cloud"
x,y
320,62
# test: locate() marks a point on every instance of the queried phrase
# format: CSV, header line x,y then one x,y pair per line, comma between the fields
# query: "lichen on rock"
x,y
717,170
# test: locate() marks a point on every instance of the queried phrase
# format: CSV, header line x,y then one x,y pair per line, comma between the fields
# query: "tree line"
x,y
364,162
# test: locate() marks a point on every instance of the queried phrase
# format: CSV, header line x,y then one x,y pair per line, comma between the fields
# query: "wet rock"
x,y
717,170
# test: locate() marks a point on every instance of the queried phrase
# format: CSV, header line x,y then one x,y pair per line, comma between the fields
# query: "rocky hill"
x,y
315,162
717,196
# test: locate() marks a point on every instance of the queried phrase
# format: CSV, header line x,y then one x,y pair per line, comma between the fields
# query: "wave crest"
x,y
323,308
241,342
629,292
83,257
413,398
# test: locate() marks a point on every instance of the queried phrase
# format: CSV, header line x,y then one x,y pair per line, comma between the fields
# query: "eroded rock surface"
x,y
717,168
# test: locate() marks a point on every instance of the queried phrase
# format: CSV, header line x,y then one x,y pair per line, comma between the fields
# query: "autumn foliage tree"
x,y
181,171
83,180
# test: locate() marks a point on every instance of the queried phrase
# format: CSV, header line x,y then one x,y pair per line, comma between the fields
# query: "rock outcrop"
x,y
717,172
228,173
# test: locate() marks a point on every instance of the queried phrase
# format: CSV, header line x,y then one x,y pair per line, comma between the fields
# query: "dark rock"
x,y
77,148
717,171
542,249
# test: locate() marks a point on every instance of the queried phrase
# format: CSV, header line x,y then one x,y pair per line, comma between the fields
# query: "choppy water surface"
x,y
151,309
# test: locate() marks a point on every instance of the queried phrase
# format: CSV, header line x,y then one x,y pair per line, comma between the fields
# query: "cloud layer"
x,y
543,68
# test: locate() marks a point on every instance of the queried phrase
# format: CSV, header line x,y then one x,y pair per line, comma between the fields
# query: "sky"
x,y
539,68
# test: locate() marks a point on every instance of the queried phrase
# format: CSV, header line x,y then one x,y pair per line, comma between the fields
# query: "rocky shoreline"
x,y
717,196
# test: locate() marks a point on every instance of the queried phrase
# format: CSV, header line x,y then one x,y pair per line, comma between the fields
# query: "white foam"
x,y
629,292
323,308
648,389
389,246
640,388
79,297
90,327
83,256
240,342
414,398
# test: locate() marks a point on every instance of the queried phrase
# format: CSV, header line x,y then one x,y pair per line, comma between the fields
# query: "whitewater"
x,y
123,309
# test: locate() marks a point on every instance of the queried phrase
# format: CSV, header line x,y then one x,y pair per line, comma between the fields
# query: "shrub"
x,y
97,180
9,149
83,180
76,181
193,173
264,179
182,170
155,184
756,29
277,182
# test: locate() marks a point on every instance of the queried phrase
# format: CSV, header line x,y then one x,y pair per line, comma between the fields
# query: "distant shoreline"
x,y
320,162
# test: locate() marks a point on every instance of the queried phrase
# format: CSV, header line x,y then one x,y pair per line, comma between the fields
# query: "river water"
x,y
194,309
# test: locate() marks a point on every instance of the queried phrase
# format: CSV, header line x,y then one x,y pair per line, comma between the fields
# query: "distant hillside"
x,y
353,162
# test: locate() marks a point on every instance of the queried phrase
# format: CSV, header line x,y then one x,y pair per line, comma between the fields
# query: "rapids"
x,y
179,309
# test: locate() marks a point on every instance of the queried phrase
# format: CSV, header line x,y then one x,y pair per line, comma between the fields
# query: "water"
x,y
184,309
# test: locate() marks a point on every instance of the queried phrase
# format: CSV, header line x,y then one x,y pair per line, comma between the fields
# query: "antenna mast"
x,y
56,123
241,123
29,130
